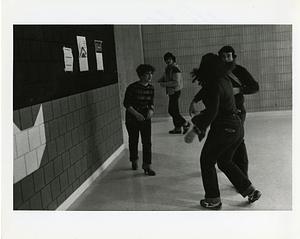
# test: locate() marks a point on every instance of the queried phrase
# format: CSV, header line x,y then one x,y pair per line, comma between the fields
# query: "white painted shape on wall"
x,y
42,133
22,142
34,138
32,160
40,117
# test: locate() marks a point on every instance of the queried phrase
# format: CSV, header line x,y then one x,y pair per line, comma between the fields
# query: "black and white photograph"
x,y
144,126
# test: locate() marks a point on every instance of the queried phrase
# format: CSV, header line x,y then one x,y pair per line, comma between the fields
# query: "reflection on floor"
x,y
178,185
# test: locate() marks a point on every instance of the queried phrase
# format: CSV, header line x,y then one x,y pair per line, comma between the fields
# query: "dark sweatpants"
x,y
223,139
173,109
134,128
240,157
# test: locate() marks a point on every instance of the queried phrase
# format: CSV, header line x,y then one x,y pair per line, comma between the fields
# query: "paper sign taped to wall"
x,y
68,58
82,54
99,57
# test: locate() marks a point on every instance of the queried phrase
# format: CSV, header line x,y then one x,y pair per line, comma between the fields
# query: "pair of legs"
x,y
222,141
134,129
240,157
173,110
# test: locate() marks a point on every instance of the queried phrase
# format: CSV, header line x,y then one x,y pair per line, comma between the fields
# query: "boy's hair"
x,y
144,68
227,49
169,55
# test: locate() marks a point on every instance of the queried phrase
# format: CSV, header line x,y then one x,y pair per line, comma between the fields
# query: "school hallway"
x,y
177,185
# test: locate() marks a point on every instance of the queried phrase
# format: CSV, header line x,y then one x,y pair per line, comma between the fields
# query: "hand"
x,y
236,90
139,117
201,133
150,114
192,109
201,136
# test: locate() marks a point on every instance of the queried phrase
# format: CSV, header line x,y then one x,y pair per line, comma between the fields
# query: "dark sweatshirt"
x,y
219,103
245,82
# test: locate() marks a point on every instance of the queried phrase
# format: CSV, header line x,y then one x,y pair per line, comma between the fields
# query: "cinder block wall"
x,y
265,50
66,124
129,51
58,144
64,142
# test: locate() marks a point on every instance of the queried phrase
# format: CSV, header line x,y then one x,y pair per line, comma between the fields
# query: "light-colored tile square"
x,y
22,143
42,133
15,148
16,129
40,152
19,169
40,117
34,138
31,162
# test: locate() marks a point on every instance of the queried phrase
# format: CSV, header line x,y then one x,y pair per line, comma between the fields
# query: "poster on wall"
x,y
99,57
82,50
68,58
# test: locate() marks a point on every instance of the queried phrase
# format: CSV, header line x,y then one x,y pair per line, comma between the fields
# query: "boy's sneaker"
x,y
186,127
210,205
175,131
254,196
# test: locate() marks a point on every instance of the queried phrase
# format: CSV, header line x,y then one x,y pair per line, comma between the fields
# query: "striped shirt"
x,y
139,97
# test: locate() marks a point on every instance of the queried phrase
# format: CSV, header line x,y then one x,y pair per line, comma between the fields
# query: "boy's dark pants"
x,y
134,128
222,141
173,110
240,157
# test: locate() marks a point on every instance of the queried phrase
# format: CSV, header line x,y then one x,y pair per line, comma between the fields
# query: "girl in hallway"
x,y
139,106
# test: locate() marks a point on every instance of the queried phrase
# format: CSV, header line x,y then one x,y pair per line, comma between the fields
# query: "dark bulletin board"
x,y
38,62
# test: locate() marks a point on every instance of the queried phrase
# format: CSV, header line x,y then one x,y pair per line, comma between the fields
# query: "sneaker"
x,y
210,205
134,165
254,196
175,131
186,127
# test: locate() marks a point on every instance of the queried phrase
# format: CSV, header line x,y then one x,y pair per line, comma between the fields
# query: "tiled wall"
x,y
60,143
265,50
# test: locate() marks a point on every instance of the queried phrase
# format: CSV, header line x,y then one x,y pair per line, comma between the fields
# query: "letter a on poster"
x,y
99,58
82,50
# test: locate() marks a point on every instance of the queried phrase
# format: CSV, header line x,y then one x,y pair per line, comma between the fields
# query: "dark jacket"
x,y
219,103
246,83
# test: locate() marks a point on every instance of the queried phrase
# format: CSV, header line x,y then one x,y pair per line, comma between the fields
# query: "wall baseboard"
x,y
250,114
68,202
270,113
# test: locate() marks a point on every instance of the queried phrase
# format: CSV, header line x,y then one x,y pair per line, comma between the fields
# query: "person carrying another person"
x,y
225,134
243,84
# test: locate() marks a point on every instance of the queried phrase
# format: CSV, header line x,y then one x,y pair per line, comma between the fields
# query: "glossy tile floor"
x,y
178,185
